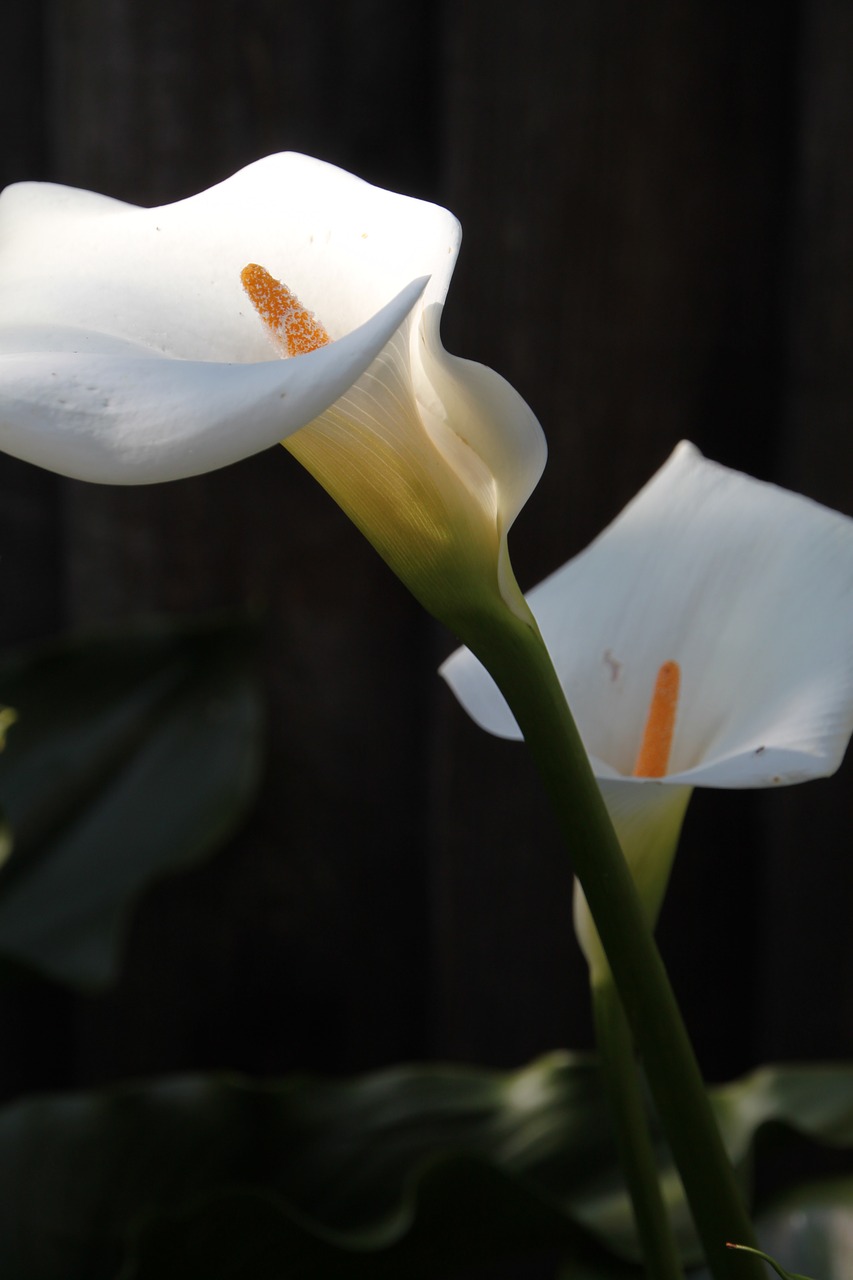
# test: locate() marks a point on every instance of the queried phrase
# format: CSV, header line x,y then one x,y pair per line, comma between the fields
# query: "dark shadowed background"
x,y
657,202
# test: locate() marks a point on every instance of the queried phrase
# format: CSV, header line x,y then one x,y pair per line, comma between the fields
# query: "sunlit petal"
x,y
128,349
101,408
135,346
169,277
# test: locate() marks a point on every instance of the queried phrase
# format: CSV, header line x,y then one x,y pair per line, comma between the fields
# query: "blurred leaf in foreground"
x,y
134,754
413,1171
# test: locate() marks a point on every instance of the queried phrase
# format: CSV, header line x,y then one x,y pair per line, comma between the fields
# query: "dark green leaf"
x,y
413,1171
404,1171
811,1228
461,1214
815,1100
134,755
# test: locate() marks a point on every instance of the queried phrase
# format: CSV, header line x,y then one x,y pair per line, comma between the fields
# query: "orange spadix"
x,y
653,756
294,329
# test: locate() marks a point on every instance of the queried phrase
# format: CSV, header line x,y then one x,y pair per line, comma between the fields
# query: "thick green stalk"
x,y
620,1071
515,655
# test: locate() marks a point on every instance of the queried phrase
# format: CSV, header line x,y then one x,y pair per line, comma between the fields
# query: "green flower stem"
x,y
514,653
620,1070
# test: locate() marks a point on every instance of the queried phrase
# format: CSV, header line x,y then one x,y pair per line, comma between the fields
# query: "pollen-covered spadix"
x,y
292,327
656,745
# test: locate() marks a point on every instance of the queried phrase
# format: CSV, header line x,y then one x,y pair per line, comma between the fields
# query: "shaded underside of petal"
x,y
470,409
478,694
169,277
370,451
488,434
107,410
647,818
747,586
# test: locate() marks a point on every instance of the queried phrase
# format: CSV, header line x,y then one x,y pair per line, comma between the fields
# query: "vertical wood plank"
x,y
804,945
37,1018
24,142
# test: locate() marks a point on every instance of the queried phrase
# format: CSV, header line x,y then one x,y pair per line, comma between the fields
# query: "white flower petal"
x,y
103,409
480,414
169,277
129,351
400,452
478,693
488,434
748,587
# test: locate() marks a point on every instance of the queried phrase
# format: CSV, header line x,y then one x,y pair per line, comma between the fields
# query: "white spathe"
x,y
750,589
129,352
747,586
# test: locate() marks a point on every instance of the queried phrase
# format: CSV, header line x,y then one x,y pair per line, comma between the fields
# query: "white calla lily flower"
x,y
746,587
130,352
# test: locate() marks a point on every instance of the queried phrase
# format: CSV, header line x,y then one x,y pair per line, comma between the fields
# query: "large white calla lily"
x,y
130,352
749,589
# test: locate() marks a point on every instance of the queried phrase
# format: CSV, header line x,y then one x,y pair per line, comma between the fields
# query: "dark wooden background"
x,y
657,201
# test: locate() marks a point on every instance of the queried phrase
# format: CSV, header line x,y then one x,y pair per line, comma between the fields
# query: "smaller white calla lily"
x,y
749,590
134,349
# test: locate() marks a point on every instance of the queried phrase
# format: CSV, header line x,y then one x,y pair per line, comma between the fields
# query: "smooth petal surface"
x,y
747,586
486,430
102,409
432,457
128,350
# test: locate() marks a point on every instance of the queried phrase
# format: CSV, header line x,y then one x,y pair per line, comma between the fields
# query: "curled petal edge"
x,y
135,417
